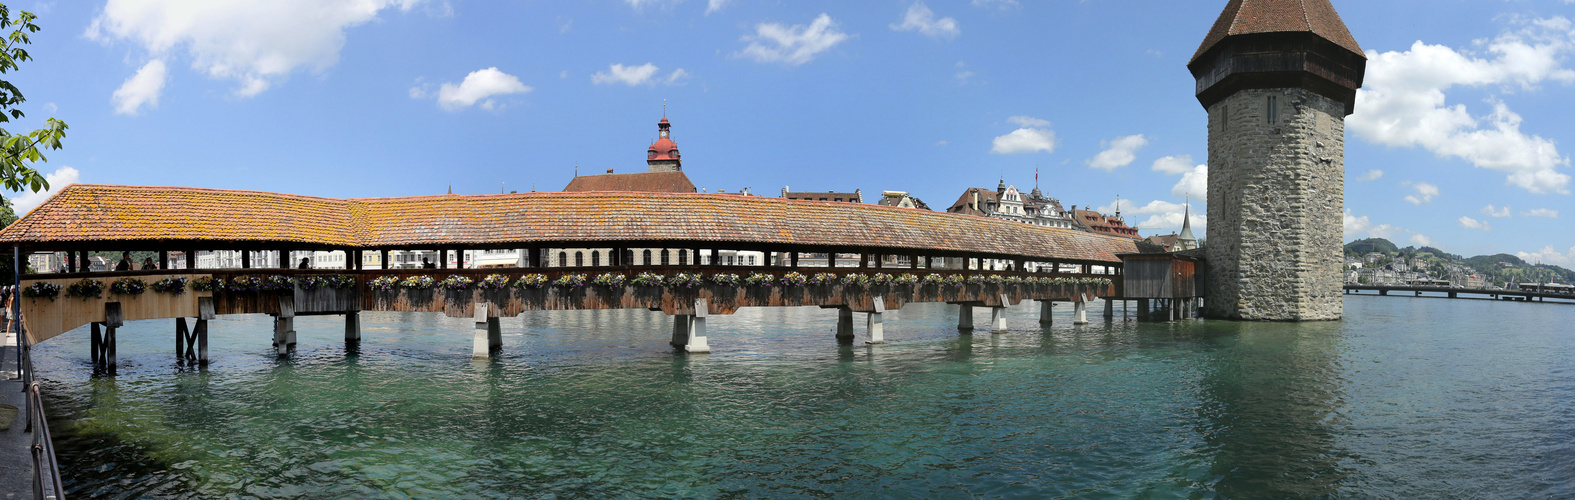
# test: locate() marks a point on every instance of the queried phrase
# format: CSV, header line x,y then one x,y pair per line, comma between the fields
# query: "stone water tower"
x,y
1278,78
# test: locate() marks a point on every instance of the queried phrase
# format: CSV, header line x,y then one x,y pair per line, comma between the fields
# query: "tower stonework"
x,y
1278,78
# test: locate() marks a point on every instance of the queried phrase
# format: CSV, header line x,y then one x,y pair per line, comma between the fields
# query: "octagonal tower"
x,y
1278,78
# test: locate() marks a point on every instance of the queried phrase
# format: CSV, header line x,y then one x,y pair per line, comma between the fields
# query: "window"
x,y
683,257
596,258
1224,115
664,256
729,260
647,258
563,259
1273,109
751,260
579,259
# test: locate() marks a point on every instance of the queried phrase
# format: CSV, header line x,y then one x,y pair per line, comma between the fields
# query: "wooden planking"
x,y
44,319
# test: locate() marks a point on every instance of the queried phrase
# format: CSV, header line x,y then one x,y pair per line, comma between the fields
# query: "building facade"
x,y
1007,203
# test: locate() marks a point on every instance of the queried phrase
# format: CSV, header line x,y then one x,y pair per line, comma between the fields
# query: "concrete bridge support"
x,y
489,333
353,326
284,326
1080,313
875,325
965,318
697,341
844,326
998,319
680,331
1045,309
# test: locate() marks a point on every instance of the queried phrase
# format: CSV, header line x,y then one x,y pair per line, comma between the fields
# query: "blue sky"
x,y
1461,139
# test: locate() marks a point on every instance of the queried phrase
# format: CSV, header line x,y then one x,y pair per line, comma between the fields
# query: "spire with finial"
x,y
1186,226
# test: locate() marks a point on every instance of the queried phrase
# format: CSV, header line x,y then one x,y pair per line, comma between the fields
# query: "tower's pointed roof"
x,y
1247,17
1186,225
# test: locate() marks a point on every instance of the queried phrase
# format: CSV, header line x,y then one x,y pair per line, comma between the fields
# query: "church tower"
x,y
1278,78
662,156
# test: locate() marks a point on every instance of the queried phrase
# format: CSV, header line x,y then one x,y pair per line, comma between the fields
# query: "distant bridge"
x,y
1461,293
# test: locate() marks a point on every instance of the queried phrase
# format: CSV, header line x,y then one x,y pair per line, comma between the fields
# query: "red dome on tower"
x,y
663,153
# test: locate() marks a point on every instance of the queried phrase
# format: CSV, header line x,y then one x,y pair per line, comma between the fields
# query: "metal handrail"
x,y
48,486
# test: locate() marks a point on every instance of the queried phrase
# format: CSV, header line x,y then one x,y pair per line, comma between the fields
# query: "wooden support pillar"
x,y
714,257
1110,309
913,261
180,339
442,259
1143,310
831,259
95,344
864,260
794,256
164,259
71,261
459,259
246,259
191,259
879,260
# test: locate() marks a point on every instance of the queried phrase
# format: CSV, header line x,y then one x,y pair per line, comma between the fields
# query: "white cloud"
x,y
1495,212
1163,215
715,6
1421,240
1193,185
480,85
1033,136
1541,212
255,43
1028,121
1356,227
1403,103
1003,4
1119,152
1173,164
1424,192
1549,256
50,108
1470,223
921,19
794,45
142,88
1371,175
59,179
627,75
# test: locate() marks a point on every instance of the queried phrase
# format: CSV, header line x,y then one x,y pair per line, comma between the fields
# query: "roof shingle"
x,y
1245,17
100,213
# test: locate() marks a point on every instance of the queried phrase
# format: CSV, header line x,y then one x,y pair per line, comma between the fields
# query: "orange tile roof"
x,y
99,213
652,182
1247,17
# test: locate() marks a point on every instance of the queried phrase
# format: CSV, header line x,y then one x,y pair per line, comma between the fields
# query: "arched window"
x,y
563,259
628,257
664,256
596,258
647,258
579,259
683,257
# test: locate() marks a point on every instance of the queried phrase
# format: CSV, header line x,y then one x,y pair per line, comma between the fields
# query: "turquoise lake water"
x,y
1405,398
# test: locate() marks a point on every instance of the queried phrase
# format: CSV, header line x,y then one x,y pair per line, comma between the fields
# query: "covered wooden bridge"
x,y
949,258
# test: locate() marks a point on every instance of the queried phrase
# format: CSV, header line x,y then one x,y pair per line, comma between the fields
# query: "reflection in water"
x,y
1403,399
1269,409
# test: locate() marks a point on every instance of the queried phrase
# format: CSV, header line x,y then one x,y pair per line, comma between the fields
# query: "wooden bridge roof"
x,y
98,216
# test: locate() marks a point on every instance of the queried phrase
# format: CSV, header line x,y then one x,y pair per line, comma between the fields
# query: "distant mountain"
x,y
1370,245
